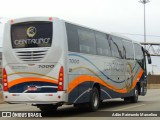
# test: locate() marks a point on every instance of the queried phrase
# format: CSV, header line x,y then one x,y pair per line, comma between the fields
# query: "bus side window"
x,y
139,54
128,50
72,37
87,43
103,47
116,46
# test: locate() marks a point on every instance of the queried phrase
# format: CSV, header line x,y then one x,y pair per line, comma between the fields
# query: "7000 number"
x,y
46,66
74,61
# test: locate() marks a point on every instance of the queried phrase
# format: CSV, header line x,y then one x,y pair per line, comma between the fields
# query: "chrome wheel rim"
x,y
95,99
136,94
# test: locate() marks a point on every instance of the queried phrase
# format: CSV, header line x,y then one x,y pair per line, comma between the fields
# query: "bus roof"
x,y
45,18
111,33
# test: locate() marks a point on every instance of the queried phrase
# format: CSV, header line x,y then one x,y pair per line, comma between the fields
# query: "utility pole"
x,y
144,3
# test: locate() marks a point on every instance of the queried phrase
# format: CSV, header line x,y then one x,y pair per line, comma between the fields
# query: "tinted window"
x,y
103,47
138,52
116,46
128,50
72,36
31,34
87,43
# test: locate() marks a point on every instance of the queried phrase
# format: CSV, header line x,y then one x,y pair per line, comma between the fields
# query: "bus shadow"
x,y
112,104
104,110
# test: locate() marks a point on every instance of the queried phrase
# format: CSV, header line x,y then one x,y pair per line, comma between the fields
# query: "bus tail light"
x,y
5,80
61,79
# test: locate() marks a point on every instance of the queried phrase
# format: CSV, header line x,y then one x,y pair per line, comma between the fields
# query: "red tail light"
x,y
5,80
61,79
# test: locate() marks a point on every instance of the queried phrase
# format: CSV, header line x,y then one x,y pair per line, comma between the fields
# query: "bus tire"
x,y
134,99
94,103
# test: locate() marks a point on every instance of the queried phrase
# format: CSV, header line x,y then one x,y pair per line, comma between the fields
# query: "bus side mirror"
x,y
149,59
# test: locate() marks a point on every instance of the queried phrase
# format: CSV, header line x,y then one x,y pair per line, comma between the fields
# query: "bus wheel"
x,y
94,103
47,108
134,98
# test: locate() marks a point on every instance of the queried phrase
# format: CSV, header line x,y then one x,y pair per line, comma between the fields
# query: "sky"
x,y
118,16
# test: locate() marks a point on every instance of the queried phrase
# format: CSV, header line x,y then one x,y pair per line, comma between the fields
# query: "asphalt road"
x,y
150,102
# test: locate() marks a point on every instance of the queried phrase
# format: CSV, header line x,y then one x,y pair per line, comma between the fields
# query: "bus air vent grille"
x,y
31,55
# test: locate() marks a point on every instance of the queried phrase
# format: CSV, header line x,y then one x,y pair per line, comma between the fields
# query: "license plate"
x,y
32,88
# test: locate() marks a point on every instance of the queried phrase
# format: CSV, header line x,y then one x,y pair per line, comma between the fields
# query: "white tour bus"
x,y
49,62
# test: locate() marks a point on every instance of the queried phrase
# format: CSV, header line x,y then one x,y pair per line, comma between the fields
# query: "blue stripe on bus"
x,y
98,68
20,88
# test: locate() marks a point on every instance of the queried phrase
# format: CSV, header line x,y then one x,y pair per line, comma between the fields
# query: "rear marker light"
x,y
50,95
50,18
5,80
12,21
15,95
61,79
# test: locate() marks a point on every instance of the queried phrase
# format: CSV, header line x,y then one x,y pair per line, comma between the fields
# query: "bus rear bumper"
x,y
36,98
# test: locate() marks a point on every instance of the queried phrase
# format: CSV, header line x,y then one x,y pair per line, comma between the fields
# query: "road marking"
x,y
129,107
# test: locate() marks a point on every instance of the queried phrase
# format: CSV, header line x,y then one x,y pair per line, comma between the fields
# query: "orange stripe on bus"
x,y
138,78
30,79
86,78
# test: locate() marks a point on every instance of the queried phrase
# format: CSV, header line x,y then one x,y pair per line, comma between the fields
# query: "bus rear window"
x,y
31,34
